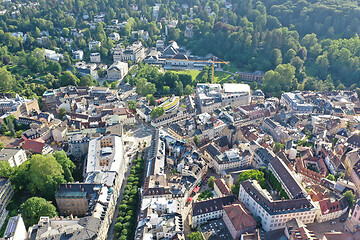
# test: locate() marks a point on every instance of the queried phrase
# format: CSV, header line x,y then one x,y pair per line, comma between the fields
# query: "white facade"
x,y
15,157
95,57
79,54
117,70
93,45
212,96
273,219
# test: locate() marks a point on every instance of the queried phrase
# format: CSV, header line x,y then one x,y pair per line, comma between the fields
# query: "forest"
x,y
315,43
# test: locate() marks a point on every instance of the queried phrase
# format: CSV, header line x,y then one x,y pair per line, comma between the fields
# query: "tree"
x,y
62,113
195,236
86,81
179,89
278,147
151,99
157,112
350,197
68,78
45,174
188,90
67,165
166,90
34,208
210,182
196,140
6,80
132,105
330,177
2,145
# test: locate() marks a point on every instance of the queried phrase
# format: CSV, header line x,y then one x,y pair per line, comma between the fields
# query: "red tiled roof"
x,y
222,187
34,145
326,206
239,216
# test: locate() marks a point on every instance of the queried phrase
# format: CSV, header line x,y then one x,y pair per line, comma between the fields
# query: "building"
x,y
274,214
95,57
210,209
118,70
86,228
212,96
78,145
15,229
220,188
94,45
15,157
77,199
256,76
79,54
238,220
230,159
287,180
52,55
18,106
133,53
82,68
105,154
331,209
296,103
114,36
295,229
278,132
6,193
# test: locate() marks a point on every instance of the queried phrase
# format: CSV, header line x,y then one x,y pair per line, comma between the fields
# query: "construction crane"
x,y
204,61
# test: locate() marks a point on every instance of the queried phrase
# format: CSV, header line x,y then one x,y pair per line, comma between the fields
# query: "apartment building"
x,y
18,106
213,96
286,178
15,157
210,209
238,220
77,199
274,214
296,103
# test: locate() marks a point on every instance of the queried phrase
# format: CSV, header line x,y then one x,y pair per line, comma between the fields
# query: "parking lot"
x,y
215,230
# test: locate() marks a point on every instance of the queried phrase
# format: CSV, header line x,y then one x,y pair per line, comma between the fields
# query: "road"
x,y
132,137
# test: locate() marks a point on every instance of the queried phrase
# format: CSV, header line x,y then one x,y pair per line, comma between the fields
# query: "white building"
x,y
105,154
15,157
231,159
330,209
210,209
52,55
212,96
295,103
78,54
134,53
118,70
95,57
15,229
274,214
94,45
114,36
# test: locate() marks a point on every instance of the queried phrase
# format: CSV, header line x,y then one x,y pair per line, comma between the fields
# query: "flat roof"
x,y
236,87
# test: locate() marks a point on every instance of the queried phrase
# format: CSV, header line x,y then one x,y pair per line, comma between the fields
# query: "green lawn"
x,y
193,73
234,69
220,77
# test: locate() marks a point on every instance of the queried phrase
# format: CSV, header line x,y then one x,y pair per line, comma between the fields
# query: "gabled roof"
x,y
354,140
212,205
239,216
34,145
